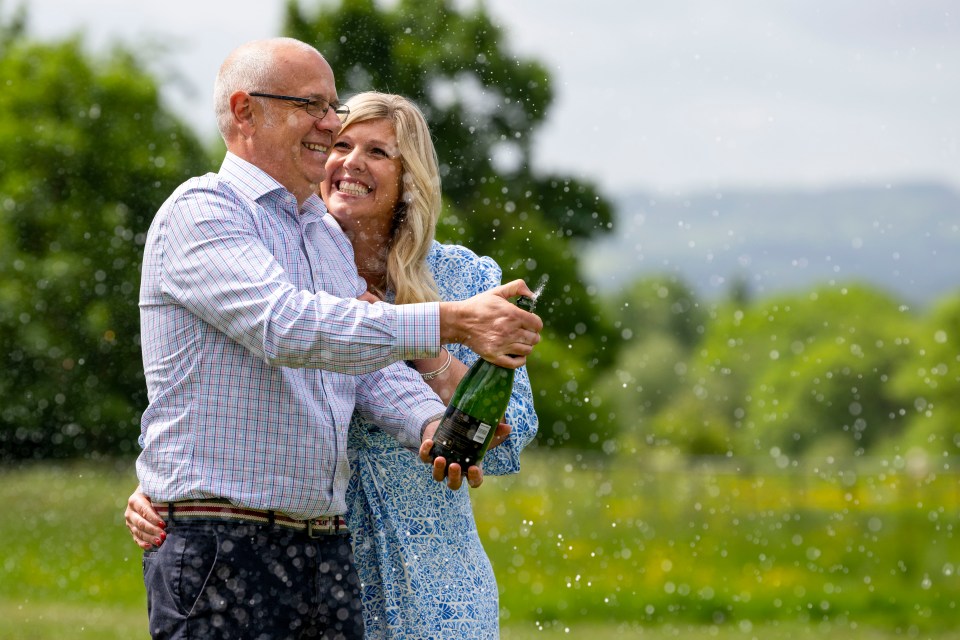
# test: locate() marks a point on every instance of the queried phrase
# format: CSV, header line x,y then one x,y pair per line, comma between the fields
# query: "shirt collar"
x,y
255,183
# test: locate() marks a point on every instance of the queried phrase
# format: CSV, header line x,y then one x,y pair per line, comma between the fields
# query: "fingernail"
x,y
162,524
163,535
156,542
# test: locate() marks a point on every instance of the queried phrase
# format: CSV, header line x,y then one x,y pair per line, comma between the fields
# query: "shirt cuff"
x,y
418,330
424,414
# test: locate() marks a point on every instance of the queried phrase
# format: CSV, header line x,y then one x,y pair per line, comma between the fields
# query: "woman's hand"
x,y
501,433
145,524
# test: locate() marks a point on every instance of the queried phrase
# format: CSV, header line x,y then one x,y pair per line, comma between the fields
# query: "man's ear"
x,y
241,106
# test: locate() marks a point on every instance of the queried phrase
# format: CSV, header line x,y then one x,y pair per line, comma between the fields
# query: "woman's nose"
x,y
353,160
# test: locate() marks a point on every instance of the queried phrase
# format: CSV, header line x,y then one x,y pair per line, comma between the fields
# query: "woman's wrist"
x,y
433,368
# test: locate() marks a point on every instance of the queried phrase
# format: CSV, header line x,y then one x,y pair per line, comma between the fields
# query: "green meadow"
x,y
582,548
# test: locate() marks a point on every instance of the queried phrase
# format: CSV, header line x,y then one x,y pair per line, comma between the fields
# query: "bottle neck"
x,y
526,303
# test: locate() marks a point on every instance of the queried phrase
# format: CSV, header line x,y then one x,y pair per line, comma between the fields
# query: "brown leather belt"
x,y
216,510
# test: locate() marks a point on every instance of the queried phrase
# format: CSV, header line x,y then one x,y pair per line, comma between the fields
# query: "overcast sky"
x,y
658,95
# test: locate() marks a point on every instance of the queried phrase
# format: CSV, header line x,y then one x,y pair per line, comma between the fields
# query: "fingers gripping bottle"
x,y
475,410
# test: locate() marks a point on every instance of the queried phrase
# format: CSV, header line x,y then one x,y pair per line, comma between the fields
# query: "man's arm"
x,y
216,265
398,400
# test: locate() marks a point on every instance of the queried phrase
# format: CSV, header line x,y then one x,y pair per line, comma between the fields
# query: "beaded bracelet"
x,y
430,375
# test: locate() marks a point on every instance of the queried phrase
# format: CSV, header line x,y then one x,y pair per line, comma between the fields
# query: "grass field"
x,y
582,549
716,545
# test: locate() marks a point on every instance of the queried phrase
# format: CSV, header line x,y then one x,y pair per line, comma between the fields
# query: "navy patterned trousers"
x,y
234,580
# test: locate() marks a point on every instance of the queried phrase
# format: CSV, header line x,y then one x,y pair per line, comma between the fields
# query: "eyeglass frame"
x,y
341,110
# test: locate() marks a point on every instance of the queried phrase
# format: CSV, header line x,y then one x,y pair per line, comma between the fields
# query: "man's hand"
x,y
493,327
454,473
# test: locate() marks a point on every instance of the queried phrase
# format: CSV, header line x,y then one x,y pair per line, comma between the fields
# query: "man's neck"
x,y
301,193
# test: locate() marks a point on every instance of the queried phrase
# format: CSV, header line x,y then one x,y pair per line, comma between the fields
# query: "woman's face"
x,y
363,174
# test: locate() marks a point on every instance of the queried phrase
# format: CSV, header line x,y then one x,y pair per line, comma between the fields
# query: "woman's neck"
x,y
370,247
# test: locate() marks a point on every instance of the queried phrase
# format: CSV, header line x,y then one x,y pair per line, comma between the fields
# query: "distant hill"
x,y
905,239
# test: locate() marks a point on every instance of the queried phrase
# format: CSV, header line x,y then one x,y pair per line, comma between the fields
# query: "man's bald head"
x,y
254,66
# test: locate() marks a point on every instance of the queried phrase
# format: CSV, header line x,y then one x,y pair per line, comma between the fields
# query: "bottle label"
x,y
461,437
480,434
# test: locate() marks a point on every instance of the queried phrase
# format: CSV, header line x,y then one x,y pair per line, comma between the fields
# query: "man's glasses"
x,y
317,108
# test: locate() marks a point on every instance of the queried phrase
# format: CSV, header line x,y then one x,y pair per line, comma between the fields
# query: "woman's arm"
x,y
442,373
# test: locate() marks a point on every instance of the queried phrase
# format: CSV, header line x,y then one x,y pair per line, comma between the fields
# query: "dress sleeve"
x,y
460,274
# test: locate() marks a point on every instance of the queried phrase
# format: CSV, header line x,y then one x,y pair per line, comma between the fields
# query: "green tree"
x,y
483,105
660,321
659,304
928,385
87,154
800,373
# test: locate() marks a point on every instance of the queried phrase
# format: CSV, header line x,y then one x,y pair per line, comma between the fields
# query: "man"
x,y
256,353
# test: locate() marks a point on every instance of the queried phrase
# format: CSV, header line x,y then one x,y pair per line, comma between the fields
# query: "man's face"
x,y
290,144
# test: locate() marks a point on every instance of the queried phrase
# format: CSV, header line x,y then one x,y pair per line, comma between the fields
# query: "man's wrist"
x,y
449,314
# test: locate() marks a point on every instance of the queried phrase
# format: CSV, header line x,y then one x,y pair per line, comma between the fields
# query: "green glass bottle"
x,y
475,410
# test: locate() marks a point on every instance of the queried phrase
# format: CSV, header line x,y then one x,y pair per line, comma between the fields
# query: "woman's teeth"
x,y
353,189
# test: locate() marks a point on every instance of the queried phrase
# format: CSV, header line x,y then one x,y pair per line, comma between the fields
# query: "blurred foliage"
x,y
854,543
660,322
928,384
484,105
87,154
840,370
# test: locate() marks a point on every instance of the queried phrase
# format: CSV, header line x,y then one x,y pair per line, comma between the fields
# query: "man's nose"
x,y
330,121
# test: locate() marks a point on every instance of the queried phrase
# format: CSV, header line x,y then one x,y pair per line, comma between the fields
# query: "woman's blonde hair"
x,y
418,208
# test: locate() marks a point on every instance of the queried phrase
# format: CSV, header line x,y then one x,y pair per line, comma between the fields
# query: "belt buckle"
x,y
314,525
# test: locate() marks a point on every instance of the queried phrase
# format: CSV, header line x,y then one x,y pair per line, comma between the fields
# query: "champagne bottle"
x,y
476,408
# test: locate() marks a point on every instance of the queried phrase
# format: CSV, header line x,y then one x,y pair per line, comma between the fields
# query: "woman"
x,y
419,557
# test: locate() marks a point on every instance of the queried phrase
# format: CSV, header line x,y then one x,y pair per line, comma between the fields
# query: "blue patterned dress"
x,y
423,570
